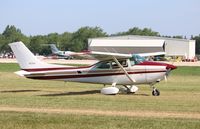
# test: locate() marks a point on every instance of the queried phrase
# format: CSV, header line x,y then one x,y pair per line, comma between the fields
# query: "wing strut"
x,y
122,68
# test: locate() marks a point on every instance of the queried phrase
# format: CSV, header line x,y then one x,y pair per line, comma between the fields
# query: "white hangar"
x,y
133,44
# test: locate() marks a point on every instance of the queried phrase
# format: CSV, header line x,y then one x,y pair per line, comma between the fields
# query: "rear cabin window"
x,y
103,65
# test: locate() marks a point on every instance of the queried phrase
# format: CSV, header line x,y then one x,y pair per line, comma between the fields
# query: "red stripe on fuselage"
x,y
168,66
87,75
150,63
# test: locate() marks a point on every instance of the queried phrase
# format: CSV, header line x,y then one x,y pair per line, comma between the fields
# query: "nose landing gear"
x,y
155,91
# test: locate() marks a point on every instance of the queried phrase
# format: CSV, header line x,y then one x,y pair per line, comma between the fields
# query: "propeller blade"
x,y
166,78
167,74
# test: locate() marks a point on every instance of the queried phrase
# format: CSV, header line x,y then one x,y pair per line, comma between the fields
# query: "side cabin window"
x,y
111,64
103,65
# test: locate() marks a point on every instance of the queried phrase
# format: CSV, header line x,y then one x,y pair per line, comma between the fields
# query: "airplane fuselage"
x,y
143,73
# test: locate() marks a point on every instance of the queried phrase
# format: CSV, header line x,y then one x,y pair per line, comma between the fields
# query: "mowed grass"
x,y
181,94
15,120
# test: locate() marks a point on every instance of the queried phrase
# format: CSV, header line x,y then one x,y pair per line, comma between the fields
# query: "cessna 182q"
x,y
113,68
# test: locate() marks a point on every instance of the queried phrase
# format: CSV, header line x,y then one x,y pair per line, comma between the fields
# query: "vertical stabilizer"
x,y
54,49
26,59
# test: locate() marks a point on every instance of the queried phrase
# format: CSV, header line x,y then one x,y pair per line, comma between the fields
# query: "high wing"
x,y
109,56
100,55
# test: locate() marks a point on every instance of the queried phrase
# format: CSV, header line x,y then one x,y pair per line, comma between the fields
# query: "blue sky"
x,y
169,17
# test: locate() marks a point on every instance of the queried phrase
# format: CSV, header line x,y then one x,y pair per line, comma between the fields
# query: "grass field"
x,y
177,107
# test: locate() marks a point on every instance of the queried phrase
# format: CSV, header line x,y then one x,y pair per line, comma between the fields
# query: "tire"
x,y
155,92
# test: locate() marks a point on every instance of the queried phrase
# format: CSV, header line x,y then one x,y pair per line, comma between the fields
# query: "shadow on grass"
x,y
134,94
86,93
73,93
16,91
142,94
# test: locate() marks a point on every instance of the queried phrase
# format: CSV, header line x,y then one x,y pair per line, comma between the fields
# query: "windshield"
x,y
136,59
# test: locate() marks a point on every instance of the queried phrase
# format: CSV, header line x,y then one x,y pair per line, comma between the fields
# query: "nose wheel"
x,y
155,92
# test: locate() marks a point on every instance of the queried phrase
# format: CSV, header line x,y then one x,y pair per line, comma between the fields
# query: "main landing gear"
x,y
129,89
113,90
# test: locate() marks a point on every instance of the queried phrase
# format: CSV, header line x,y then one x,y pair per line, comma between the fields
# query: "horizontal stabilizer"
x,y
22,73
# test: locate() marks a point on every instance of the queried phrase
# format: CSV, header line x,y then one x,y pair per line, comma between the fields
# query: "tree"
x,y
2,43
137,31
12,34
65,41
178,37
80,38
53,38
37,44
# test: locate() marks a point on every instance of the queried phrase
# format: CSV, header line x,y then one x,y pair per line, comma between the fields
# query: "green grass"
x,y
176,95
14,120
180,94
9,67
187,71
12,67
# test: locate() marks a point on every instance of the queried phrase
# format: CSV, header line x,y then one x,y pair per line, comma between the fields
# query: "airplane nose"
x,y
170,66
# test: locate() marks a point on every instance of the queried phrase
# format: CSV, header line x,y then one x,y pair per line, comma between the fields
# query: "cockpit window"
x,y
111,64
122,62
136,59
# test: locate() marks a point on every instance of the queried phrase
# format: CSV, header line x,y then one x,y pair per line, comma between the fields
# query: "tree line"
x,y
72,41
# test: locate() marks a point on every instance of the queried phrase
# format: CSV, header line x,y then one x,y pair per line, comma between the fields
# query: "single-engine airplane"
x,y
112,69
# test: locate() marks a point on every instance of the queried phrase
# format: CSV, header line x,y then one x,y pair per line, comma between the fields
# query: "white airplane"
x,y
69,54
112,69
62,54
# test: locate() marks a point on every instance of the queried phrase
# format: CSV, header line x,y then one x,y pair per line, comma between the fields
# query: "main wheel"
x,y
155,92
109,90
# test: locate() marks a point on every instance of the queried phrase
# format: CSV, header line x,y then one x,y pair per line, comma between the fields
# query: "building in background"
x,y
183,48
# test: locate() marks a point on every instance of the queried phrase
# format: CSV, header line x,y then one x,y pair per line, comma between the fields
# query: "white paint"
x,y
126,43
109,90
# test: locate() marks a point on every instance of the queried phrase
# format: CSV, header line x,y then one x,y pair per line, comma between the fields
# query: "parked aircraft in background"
x,y
69,54
61,54
112,69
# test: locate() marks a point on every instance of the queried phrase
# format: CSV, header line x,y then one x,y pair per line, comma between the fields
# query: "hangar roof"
x,y
138,37
126,43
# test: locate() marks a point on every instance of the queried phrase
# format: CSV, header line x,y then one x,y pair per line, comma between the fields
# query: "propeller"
x,y
167,74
